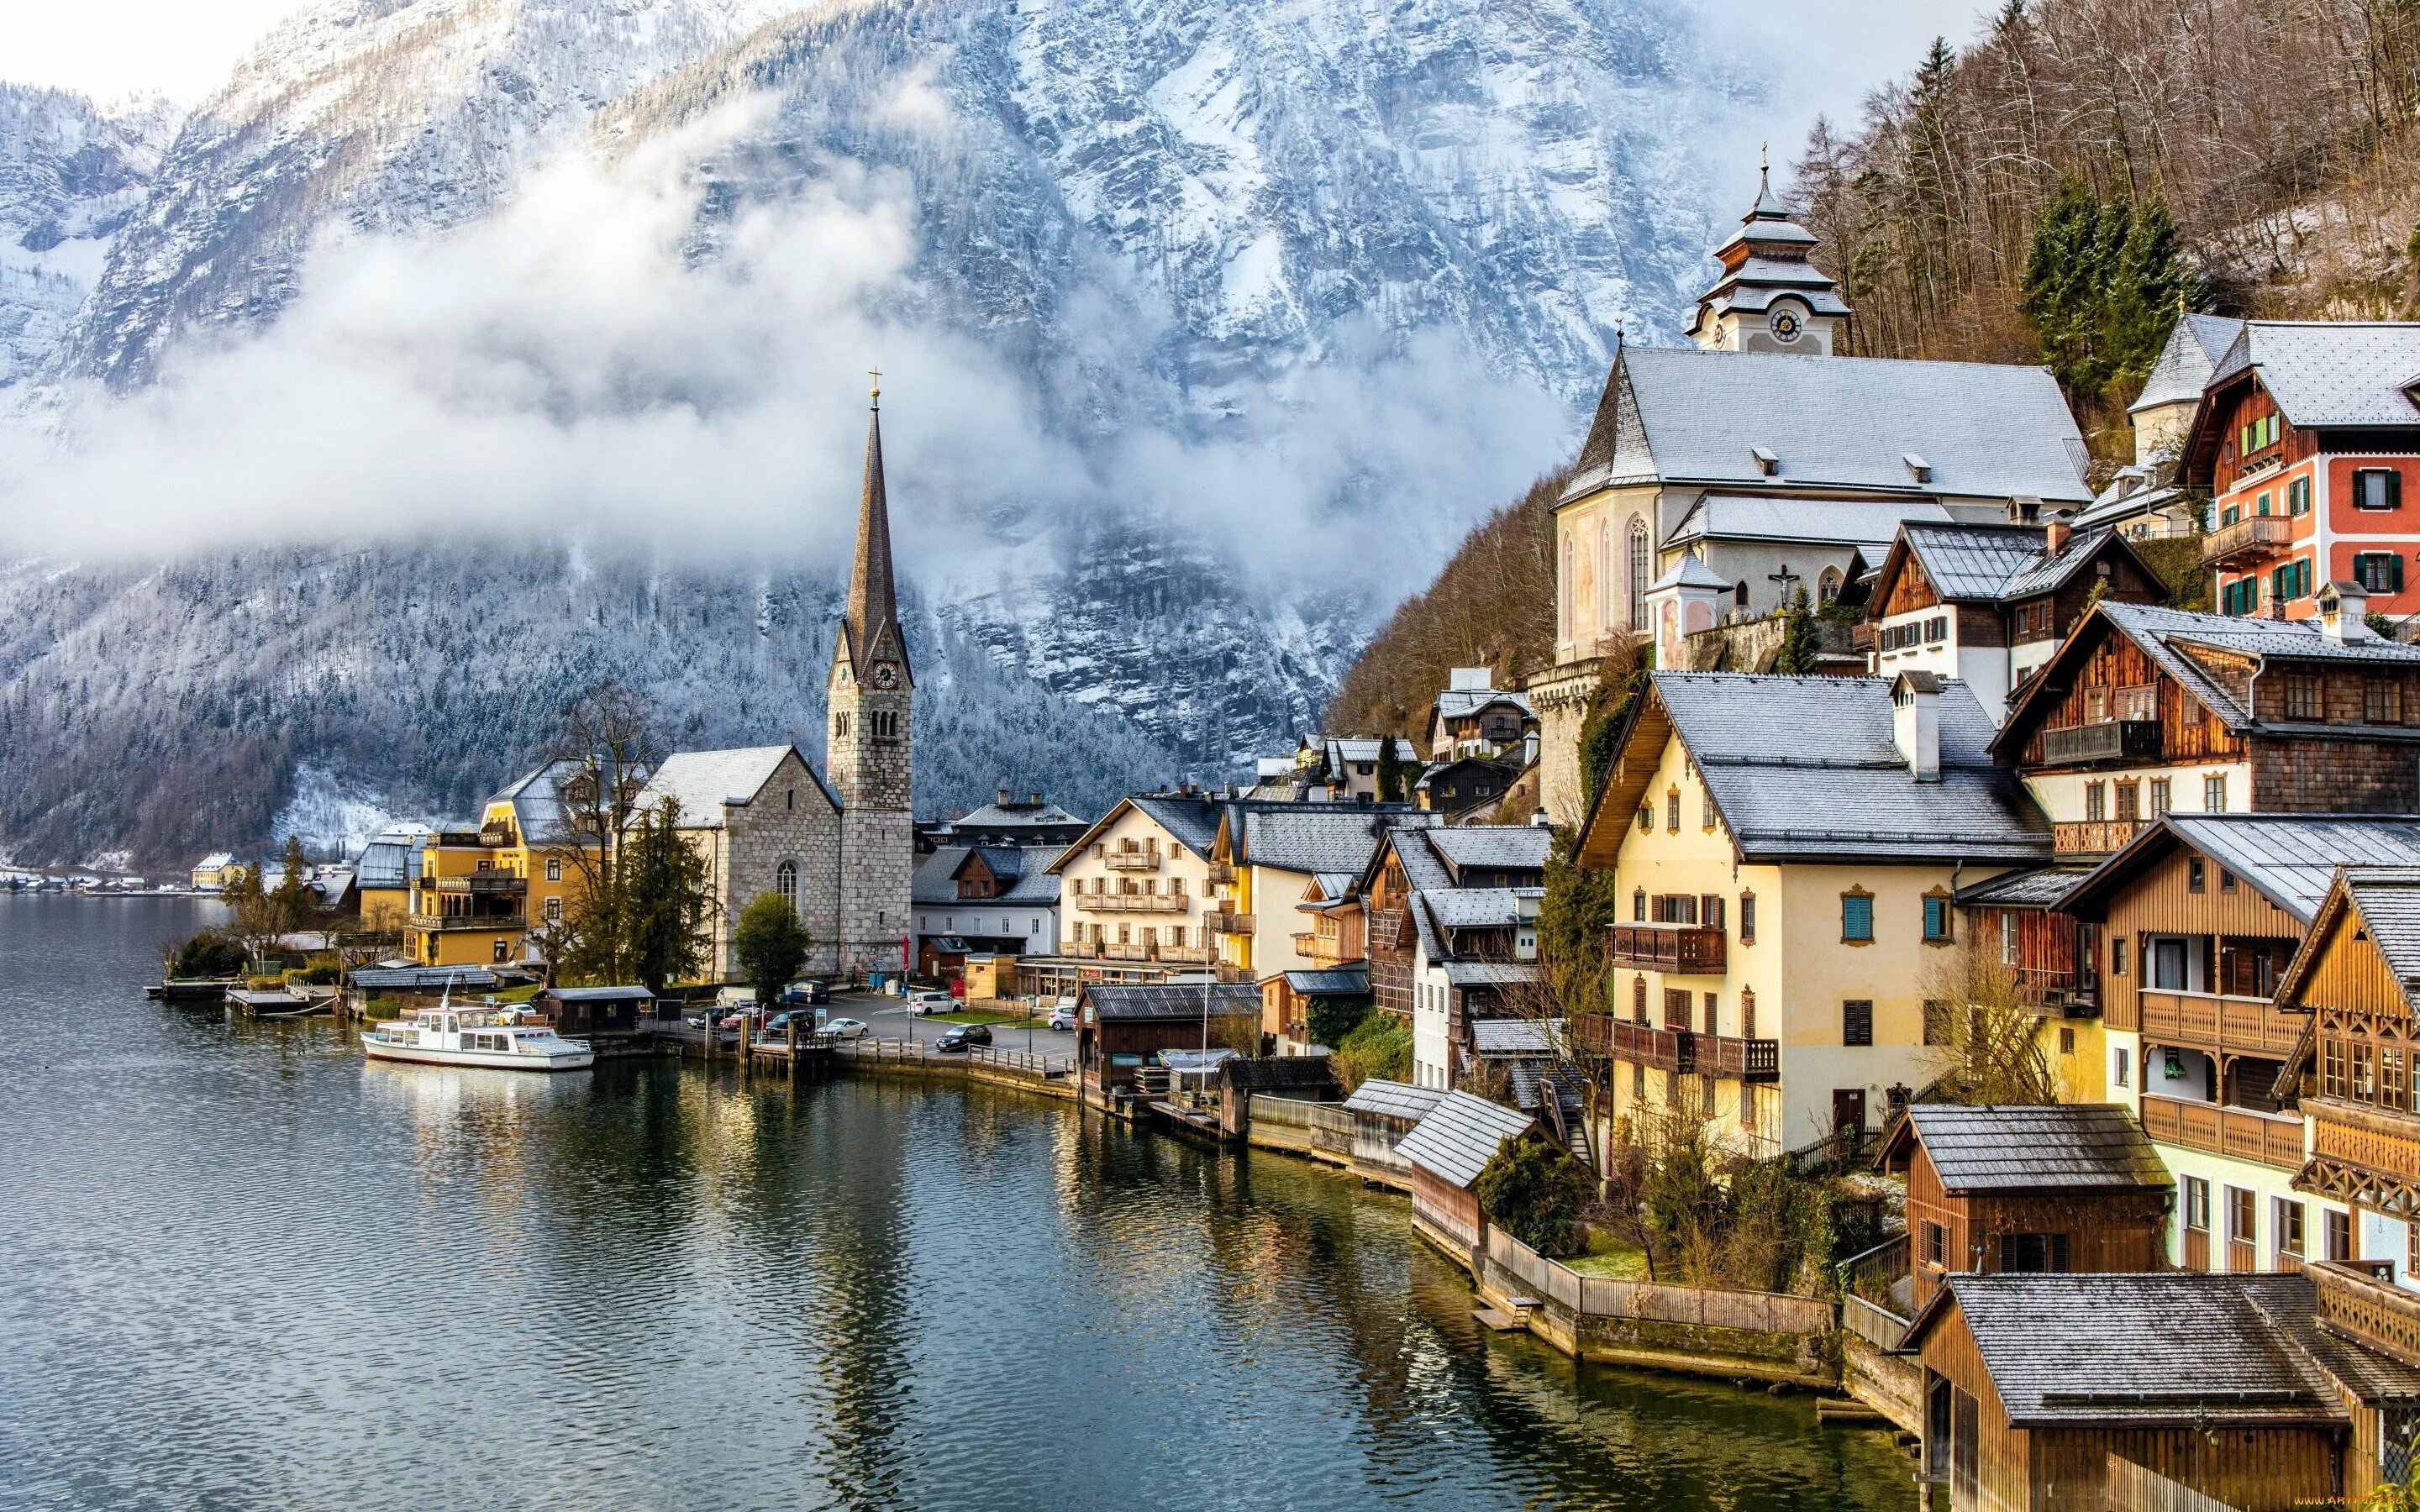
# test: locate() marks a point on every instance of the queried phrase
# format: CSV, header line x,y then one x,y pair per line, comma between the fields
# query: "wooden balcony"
x,y
481,923
2116,741
1222,871
2059,991
1224,921
2374,1140
2266,1138
1131,860
2092,837
1687,950
2247,540
2359,1300
1679,1049
2242,1026
1133,903
478,882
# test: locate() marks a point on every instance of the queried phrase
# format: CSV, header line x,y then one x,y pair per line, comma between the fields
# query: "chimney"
x,y
2059,534
1036,798
1000,796
2344,612
1916,723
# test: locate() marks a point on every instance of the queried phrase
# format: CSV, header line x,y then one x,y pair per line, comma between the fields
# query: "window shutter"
x,y
2395,496
2394,567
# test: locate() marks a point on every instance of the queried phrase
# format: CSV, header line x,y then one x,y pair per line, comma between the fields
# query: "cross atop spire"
x,y
871,630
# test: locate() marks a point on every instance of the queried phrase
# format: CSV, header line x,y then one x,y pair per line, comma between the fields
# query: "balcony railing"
x,y
1131,860
2059,990
1679,1049
2246,1025
2109,740
1165,954
479,882
1224,921
485,923
1687,948
1221,871
2245,539
2374,1139
1132,903
2092,837
2267,1138
2362,1301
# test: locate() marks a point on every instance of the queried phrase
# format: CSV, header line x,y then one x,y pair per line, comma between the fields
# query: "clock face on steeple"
x,y
886,675
1785,326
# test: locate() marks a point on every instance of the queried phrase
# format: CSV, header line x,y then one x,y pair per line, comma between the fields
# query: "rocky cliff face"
x,y
71,177
1298,234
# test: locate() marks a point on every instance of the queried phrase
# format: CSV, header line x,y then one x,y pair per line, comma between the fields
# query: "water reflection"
x,y
246,1267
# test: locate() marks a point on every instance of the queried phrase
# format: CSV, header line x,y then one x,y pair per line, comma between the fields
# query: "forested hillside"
x,y
2052,193
1493,602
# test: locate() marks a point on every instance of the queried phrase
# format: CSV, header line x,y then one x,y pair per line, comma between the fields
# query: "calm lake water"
x,y
242,1268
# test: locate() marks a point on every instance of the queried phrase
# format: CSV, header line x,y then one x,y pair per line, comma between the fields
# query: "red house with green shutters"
x,y
2308,439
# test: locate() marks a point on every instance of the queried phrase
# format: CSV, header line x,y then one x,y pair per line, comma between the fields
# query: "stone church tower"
x,y
1770,298
869,747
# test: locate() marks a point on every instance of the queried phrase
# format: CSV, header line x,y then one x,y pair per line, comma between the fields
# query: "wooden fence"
x,y
1878,1326
1599,1296
1298,1123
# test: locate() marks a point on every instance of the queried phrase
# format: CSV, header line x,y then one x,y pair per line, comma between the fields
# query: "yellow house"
x,y
1267,854
1786,852
488,895
218,871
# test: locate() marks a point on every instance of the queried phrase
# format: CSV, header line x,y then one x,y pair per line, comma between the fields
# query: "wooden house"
x,y
1384,1113
1242,1078
1288,998
2042,1189
2200,915
2144,710
2152,1390
1989,603
597,1012
1447,1150
1120,1026
2357,982
1475,717
1452,930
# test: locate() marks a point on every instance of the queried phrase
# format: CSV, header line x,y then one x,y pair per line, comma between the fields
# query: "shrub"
x,y
770,943
1536,1192
322,971
1379,1049
1332,1020
382,1008
208,954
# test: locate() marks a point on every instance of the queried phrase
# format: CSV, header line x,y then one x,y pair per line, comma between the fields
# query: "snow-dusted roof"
x,y
2333,372
2194,346
1868,524
703,781
1683,415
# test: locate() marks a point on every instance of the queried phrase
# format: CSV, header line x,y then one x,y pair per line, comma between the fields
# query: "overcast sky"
x,y
1825,54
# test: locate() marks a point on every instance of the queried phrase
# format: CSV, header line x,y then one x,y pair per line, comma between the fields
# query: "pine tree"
x,y
1802,639
2147,287
1391,776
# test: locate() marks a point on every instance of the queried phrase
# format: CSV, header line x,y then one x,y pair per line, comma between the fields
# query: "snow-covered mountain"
x,y
1209,253
70,176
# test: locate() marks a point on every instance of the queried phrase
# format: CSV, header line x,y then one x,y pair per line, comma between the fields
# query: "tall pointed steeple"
x,y
873,597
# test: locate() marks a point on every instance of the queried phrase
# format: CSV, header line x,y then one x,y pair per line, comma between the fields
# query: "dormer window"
x,y
1918,465
1767,461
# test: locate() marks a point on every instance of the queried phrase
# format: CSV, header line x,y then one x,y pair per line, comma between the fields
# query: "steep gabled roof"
x,y
1460,1135
2196,342
1314,837
1189,819
2327,374
705,781
2291,860
1809,768
1686,416
2168,636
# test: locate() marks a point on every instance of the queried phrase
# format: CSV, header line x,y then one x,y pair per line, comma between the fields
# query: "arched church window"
x,y
1639,573
785,882
1828,586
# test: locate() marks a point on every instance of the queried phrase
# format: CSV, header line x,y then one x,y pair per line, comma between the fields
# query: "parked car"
x,y
848,1029
807,992
927,1000
741,996
1062,1018
750,1015
962,1037
778,1026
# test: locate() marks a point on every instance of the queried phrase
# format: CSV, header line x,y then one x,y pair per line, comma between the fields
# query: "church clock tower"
x,y
1770,298
869,743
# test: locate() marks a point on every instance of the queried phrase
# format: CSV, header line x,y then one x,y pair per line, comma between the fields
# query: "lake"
x,y
244,1268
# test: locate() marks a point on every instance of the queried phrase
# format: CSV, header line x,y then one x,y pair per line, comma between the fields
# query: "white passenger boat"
x,y
500,1039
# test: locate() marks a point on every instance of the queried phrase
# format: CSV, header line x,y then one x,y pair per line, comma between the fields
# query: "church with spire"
x,y
840,847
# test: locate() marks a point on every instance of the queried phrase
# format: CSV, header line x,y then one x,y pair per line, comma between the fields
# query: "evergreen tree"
x,y
771,944
2148,287
1393,779
2104,284
1802,639
2062,278
668,900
